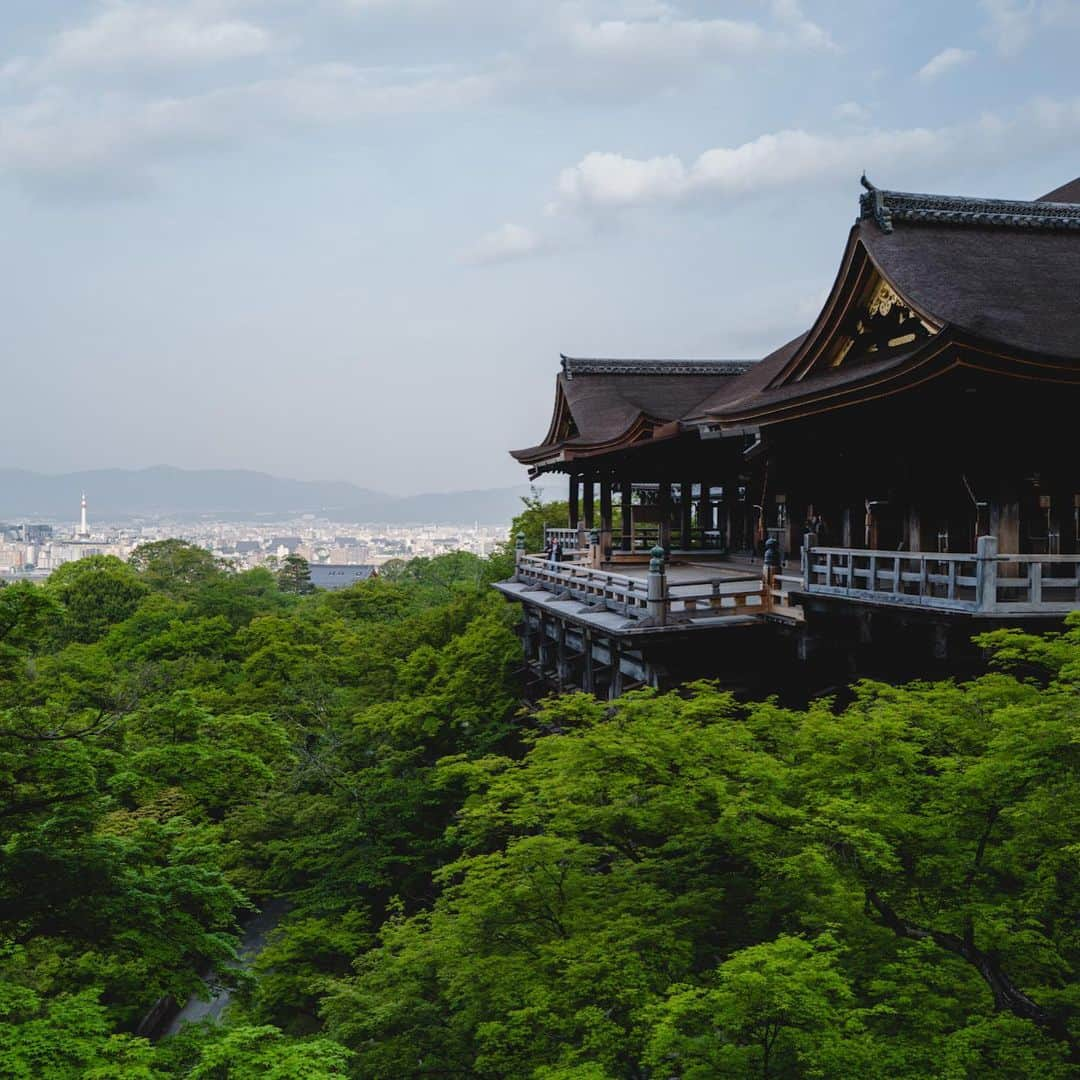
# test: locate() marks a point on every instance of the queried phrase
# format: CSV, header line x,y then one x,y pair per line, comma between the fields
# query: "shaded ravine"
x,y
197,1010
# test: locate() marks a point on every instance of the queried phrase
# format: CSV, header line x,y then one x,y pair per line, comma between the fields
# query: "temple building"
x,y
908,463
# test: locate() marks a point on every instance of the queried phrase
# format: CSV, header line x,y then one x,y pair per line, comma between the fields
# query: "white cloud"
x,y
852,110
63,138
504,244
946,60
609,181
658,33
602,182
125,34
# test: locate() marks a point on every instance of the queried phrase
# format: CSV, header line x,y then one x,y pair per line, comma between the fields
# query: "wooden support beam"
x,y
590,483
615,687
575,500
626,497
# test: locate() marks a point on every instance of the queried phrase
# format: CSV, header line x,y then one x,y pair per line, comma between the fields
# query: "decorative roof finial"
x,y
872,205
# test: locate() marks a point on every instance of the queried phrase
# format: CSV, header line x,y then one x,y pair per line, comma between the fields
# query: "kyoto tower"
x,y
83,532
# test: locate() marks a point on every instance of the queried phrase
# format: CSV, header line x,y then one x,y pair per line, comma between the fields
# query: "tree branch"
x,y
1008,997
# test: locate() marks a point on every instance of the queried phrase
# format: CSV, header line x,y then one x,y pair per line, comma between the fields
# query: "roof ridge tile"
x,y
888,207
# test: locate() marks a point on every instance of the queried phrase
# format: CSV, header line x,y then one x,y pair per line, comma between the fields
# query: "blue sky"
x,y
348,239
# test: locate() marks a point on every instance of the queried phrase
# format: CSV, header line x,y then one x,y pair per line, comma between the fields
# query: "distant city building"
x,y
290,543
326,576
37,534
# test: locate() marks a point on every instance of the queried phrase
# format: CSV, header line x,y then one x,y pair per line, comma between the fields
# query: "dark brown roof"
x,y
606,402
751,384
993,275
1068,193
1002,274
1014,286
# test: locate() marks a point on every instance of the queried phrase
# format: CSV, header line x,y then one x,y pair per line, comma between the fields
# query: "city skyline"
x,y
348,240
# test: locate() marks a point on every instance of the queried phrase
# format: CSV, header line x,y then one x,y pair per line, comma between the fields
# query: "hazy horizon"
x,y
347,240
458,488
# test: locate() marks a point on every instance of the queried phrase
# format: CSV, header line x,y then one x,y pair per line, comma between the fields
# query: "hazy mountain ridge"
x,y
165,491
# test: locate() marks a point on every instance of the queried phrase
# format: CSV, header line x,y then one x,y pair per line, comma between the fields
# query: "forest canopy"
x,y
674,885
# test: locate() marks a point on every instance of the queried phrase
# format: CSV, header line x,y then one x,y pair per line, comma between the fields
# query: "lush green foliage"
x,y
677,885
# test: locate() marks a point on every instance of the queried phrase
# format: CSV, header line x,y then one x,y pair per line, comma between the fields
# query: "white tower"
x,y
84,532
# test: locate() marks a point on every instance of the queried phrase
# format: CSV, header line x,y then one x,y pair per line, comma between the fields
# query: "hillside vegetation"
x,y
678,885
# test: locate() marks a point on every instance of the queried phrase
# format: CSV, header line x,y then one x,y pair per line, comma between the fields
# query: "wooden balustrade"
x,y
615,592
630,596
982,581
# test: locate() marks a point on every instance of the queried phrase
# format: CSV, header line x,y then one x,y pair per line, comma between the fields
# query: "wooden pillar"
x,y
685,507
1005,521
665,514
626,496
1005,525
704,513
605,516
914,528
732,510
590,483
575,499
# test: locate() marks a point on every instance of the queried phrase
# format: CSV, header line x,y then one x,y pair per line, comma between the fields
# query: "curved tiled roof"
x,y
607,402
1014,286
994,275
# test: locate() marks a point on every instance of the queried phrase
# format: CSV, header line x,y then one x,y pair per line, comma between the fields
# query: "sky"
x,y
348,239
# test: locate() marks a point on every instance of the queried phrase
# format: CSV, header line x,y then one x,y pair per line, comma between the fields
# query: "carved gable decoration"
x,y
879,326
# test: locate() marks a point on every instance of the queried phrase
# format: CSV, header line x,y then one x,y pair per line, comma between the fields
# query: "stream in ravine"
x,y
253,941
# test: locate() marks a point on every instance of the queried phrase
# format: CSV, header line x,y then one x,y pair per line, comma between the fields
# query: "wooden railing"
x,y
614,592
741,595
780,590
644,538
653,599
983,581
566,537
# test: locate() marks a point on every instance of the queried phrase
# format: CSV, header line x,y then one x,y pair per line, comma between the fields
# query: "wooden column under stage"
x,y
590,484
575,500
626,496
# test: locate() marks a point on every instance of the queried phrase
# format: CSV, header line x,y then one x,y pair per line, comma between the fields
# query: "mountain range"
x,y
239,494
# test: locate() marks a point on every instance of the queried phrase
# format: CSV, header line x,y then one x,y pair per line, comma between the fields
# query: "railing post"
x,y
519,554
594,549
769,565
582,537
806,553
986,573
657,587
1035,582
